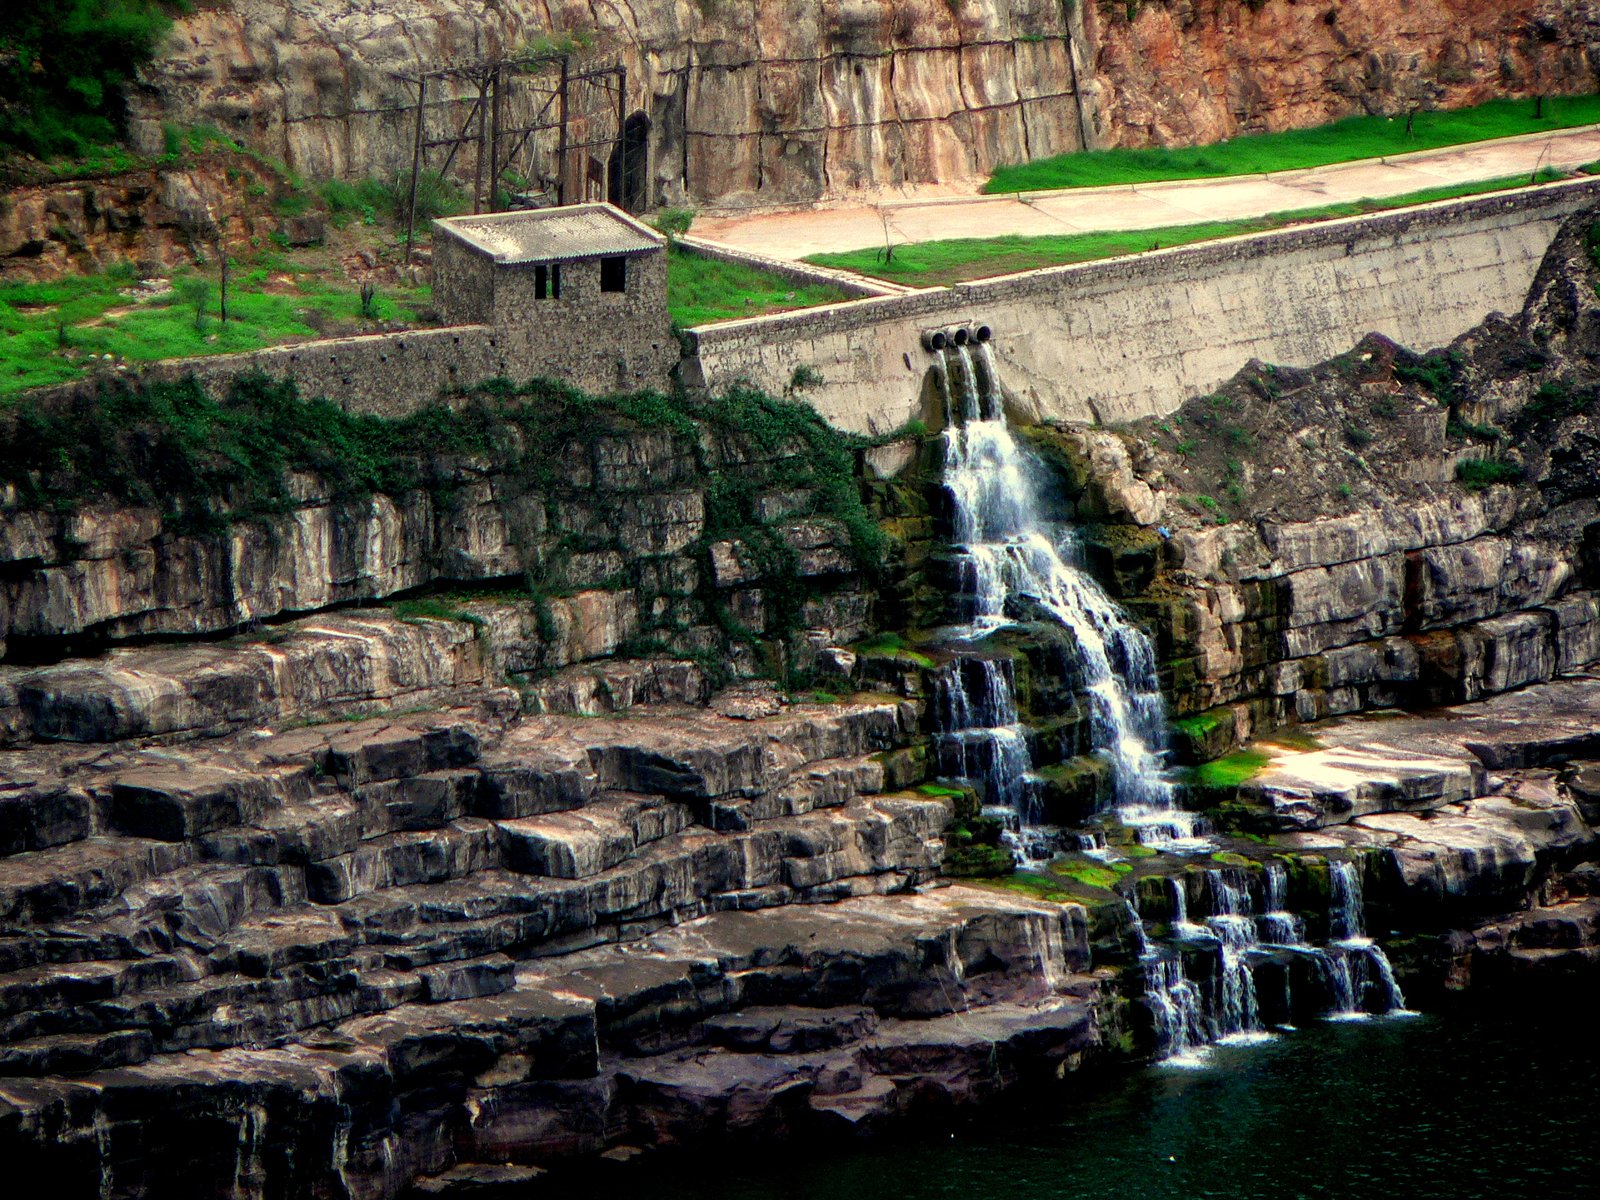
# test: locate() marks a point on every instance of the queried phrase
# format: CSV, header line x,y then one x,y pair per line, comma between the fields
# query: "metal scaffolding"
x,y
514,108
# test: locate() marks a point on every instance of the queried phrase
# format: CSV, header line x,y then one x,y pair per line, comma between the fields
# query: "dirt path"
x,y
793,235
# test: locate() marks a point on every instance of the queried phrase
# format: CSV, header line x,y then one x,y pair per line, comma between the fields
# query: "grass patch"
x,y
1342,141
1231,771
1040,887
941,263
1434,373
1199,725
1092,874
701,290
445,606
892,645
49,331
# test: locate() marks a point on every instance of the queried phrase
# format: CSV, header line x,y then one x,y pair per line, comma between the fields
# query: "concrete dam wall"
x,y
1133,337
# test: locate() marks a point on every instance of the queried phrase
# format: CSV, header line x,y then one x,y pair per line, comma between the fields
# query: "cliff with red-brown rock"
x,y
782,101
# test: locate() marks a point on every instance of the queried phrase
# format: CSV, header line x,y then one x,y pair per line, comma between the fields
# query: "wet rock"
x,y
477,1179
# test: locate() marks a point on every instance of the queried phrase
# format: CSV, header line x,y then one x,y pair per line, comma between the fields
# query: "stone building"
x,y
576,293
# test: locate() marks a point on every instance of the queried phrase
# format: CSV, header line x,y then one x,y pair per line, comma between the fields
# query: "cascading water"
x,y
1279,926
1233,924
1345,919
981,741
1202,989
1005,554
1347,926
1249,926
1176,1011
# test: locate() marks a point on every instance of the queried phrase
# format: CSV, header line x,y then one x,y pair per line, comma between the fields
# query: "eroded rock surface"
x,y
355,943
784,102
1382,530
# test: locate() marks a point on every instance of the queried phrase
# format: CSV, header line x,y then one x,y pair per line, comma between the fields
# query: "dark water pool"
x,y
1499,1101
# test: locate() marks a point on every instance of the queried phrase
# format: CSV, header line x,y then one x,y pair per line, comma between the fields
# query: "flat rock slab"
x,y
478,1179
1429,761
1324,787
1463,860
742,1019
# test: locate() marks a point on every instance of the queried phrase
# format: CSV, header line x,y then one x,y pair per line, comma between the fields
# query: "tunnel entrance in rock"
x,y
630,165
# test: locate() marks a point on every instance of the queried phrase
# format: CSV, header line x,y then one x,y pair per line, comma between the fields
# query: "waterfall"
x,y
1347,927
1279,926
1175,1010
1232,923
981,742
1181,925
1382,980
1006,554
1345,919
1206,991
1176,1007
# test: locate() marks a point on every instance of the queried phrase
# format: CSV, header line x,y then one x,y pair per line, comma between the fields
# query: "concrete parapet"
x,y
1132,337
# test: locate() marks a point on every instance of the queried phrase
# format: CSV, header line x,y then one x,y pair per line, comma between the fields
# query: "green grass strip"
x,y
701,289
941,263
1343,141
1233,770
49,330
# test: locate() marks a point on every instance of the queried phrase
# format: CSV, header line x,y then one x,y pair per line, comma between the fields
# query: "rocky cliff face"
x,y
785,102
370,895
1383,529
635,533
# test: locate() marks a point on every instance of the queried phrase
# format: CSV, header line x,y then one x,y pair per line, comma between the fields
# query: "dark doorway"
x,y
630,165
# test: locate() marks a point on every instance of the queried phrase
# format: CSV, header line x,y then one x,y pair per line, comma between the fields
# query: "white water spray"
x,y
1006,555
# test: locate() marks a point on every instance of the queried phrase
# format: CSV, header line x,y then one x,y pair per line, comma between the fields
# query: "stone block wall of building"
x,y
463,283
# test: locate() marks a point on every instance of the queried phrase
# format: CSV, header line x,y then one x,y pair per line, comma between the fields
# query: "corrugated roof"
x,y
547,235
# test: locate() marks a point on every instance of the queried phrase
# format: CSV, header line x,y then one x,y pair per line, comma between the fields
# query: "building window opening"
x,y
547,283
614,274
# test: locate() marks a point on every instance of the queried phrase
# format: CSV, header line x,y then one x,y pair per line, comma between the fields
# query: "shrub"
x,y
1554,401
194,291
1435,374
804,378
674,222
390,199
1475,474
1457,427
64,65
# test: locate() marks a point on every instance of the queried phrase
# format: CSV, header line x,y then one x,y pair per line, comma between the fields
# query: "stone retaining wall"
x,y
1133,337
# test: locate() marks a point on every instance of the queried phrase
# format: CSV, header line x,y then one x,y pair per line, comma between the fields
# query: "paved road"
x,y
794,235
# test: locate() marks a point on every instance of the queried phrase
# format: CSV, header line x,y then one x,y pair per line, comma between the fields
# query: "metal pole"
x,y
494,140
483,142
561,141
416,169
622,135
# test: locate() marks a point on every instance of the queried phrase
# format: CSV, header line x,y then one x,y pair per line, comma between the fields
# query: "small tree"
x,y
195,292
674,223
